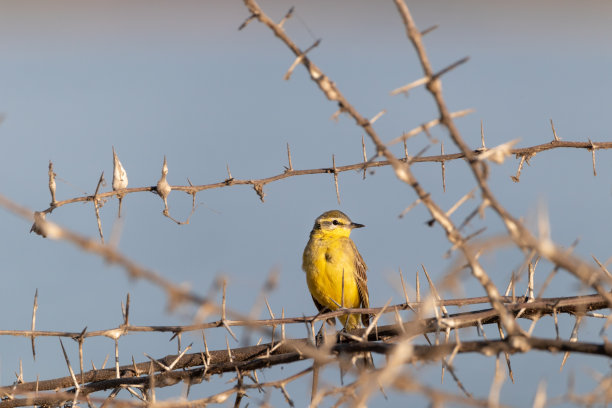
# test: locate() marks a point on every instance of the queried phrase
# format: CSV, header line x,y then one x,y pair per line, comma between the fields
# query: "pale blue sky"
x,y
156,78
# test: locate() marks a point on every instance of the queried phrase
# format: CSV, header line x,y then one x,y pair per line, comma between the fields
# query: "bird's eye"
x,y
335,222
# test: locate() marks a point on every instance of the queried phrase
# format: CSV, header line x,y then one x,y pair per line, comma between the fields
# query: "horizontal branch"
x,y
269,354
191,189
56,398
542,306
511,345
289,352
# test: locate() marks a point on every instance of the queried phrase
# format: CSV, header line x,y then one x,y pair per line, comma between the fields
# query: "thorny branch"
x,y
256,357
528,308
520,153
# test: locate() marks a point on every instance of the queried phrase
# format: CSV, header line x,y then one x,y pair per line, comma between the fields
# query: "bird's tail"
x,y
361,361
364,359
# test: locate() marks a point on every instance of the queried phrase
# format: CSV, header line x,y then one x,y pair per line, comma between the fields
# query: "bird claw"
x,y
321,337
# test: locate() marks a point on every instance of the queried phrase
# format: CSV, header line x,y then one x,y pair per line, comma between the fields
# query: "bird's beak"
x,y
355,225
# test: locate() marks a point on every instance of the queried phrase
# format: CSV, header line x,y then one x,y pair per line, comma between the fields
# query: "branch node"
x,y
258,187
299,59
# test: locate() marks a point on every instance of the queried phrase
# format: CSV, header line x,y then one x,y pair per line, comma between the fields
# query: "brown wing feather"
x,y
362,283
320,307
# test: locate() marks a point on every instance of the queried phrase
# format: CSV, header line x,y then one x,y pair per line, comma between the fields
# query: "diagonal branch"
x,y
522,237
401,168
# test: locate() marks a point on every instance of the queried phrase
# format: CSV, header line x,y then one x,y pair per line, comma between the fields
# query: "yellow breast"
x,y
326,261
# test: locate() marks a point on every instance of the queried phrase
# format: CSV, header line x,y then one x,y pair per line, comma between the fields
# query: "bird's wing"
x,y
362,283
320,307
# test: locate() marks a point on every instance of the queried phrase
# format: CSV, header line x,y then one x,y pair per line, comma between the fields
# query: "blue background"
x,y
155,78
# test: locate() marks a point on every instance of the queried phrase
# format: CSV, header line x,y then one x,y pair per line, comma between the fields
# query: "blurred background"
x,y
155,78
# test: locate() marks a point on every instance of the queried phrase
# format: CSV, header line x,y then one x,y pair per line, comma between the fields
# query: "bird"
x,y
335,271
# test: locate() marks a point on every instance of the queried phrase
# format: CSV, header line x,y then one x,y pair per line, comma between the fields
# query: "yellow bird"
x,y
334,268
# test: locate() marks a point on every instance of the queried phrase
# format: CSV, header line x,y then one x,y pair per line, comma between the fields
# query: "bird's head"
x,y
334,223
